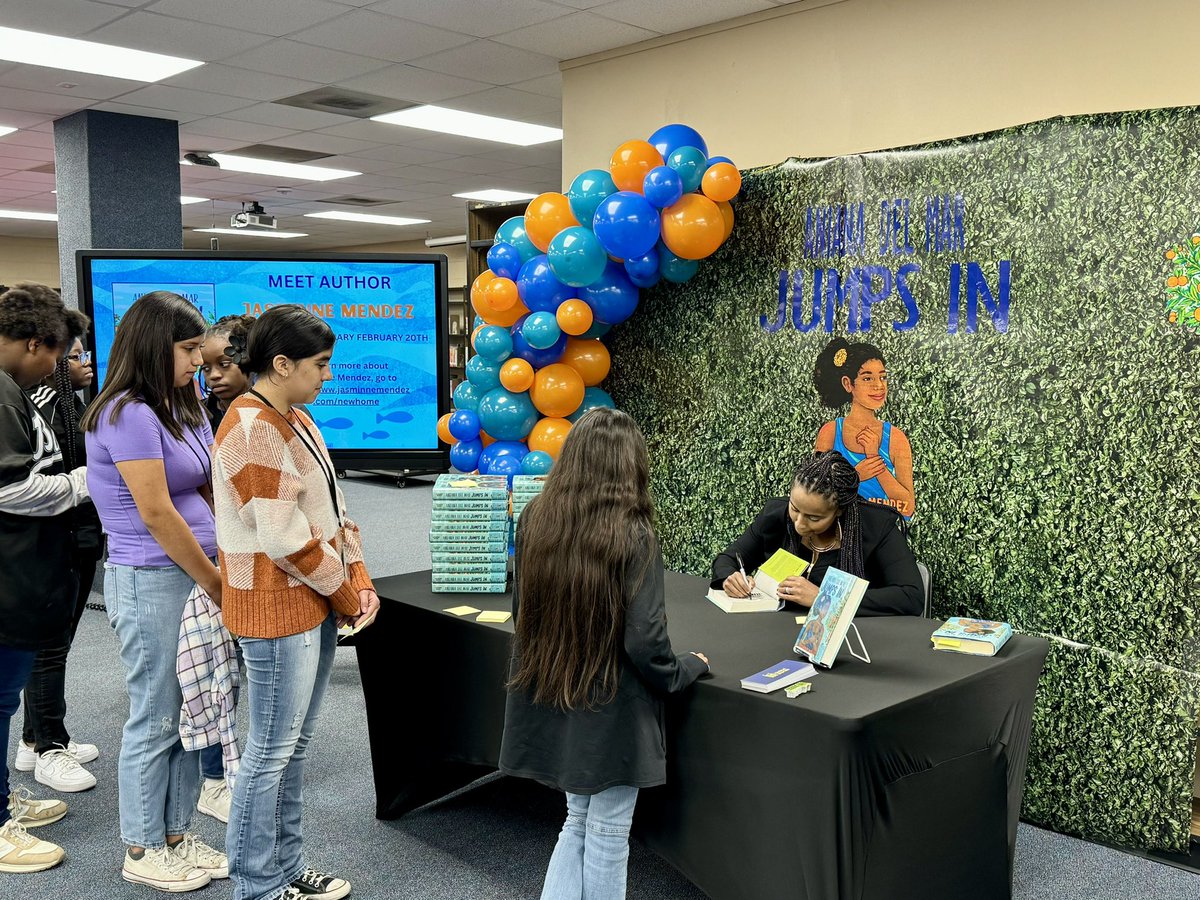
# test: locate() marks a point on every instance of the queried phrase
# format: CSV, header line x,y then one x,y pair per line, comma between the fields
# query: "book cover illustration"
x,y
978,636
780,675
830,616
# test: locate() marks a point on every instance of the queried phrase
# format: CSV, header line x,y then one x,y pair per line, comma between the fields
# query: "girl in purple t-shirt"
x,y
149,467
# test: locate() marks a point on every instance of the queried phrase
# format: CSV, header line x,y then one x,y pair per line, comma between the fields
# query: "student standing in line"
x,y
292,570
36,493
46,747
592,658
149,466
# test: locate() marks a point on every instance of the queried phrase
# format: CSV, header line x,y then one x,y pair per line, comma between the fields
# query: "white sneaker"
x,y
21,852
59,770
215,799
27,756
162,870
30,813
199,855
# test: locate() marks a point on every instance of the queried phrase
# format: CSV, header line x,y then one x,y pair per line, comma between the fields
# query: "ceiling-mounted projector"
x,y
252,216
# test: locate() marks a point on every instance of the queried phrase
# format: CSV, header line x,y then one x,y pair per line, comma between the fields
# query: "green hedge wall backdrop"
x,y
1055,442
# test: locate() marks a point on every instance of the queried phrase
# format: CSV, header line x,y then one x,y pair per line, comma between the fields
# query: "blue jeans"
x,y
592,855
212,762
158,781
286,680
15,666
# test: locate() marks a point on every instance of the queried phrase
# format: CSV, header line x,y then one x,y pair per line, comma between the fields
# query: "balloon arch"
x,y
560,276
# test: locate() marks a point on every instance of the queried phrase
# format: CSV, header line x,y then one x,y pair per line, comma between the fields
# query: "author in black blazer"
x,y
823,521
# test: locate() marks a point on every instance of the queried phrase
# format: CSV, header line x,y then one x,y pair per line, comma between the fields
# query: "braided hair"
x,y
828,474
70,416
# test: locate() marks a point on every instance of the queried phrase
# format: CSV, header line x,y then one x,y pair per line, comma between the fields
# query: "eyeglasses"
x,y
82,358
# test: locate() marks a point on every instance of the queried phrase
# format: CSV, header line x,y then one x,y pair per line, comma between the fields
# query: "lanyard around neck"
x,y
310,444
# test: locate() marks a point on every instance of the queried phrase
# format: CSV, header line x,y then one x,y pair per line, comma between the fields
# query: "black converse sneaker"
x,y
314,885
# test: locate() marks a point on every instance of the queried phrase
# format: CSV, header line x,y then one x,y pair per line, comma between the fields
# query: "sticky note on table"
x,y
461,610
800,620
494,615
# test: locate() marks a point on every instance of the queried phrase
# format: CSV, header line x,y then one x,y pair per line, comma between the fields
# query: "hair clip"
x,y
236,351
839,358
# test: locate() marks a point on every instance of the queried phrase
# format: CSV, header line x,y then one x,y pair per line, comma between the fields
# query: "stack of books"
x,y
524,489
468,534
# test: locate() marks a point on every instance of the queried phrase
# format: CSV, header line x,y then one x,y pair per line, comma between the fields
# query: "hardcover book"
x,y
756,602
830,617
780,675
976,636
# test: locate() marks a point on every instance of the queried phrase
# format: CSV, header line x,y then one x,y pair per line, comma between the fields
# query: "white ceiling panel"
x,y
66,18
164,34
476,165
15,118
39,101
86,87
292,117
189,140
575,35
669,16
249,132
582,4
402,154
448,143
364,130
131,109
547,85
539,155
33,179
430,175
234,82
11,151
490,62
471,16
160,96
326,143
512,104
411,83
284,57
273,19
383,37
27,137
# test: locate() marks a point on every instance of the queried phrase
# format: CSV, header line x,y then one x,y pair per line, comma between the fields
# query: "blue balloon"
x,y
593,397
576,256
509,465
484,374
464,455
536,462
476,322
541,330
532,355
626,224
670,138
662,186
505,260
675,268
586,192
539,289
506,448
613,297
643,270
466,396
713,160
464,424
507,416
598,330
513,232
493,343
690,164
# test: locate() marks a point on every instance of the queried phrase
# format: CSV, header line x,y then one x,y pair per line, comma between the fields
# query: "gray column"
x,y
118,187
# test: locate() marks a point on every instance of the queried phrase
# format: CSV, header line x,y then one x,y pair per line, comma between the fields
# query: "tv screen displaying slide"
x,y
391,380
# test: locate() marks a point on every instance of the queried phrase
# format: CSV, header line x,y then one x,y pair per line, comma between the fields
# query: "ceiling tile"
x,y
284,57
511,104
291,117
40,102
364,130
582,4
28,138
131,109
576,35
326,143
471,16
539,155
163,34
235,82
231,128
372,34
211,144
265,18
448,143
87,87
547,85
476,165
10,151
204,103
402,154
66,18
670,16
490,62
15,118
411,83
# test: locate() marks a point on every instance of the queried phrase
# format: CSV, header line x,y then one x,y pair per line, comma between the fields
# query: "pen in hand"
x,y
745,578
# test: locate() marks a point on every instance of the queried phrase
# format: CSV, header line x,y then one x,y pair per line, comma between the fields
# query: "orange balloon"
x,y
507,317
548,435
547,215
693,227
486,438
630,164
443,430
727,211
557,390
500,294
574,316
481,281
721,181
475,334
516,375
589,358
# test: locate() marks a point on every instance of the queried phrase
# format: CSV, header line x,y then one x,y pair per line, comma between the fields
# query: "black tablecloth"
x,y
898,779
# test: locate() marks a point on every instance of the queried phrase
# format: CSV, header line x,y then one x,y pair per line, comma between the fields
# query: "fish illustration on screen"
x,y
398,417
375,435
338,424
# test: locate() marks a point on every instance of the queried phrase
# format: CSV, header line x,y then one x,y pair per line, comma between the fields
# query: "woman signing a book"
x,y
591,658
823,521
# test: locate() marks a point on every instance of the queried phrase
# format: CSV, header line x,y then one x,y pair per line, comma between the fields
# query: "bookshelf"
x,y
458,332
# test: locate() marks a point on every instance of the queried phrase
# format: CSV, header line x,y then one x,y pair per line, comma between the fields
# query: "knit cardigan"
x,y
279,544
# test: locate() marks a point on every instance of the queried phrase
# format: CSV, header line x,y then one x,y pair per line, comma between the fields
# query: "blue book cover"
x,y
830,617
780,675
977,636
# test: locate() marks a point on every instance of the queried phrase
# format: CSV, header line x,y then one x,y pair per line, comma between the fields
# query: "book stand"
x,y
865,656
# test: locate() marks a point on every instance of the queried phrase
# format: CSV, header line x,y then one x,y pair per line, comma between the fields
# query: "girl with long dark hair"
x,y
592,659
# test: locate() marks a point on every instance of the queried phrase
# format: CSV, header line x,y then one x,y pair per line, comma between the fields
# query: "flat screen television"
x,y
391,379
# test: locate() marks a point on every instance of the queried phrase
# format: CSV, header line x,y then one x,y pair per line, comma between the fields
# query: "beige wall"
x,y
29,259
829,77
456,254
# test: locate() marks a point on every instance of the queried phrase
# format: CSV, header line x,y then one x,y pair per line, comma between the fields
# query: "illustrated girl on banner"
x,y
880,452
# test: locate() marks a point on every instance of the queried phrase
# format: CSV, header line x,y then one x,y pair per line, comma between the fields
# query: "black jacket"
x,y
888,563
622,742
85,521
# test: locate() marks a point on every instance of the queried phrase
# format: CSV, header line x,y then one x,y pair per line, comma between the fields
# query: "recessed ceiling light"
x,y
495,195
487,128
235,163
74,55
23,214
365,217
185,200
6,129
246,232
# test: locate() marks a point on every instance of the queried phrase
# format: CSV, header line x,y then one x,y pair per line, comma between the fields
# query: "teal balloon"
x,y
537,462
675,268
541,330
593,397
476,322
466,396
494,343
576,256
598,330
484,374
507,416
588,191
689,164
513,232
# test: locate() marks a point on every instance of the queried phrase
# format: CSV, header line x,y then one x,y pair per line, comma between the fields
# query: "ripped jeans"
x,y
285,681
157,780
